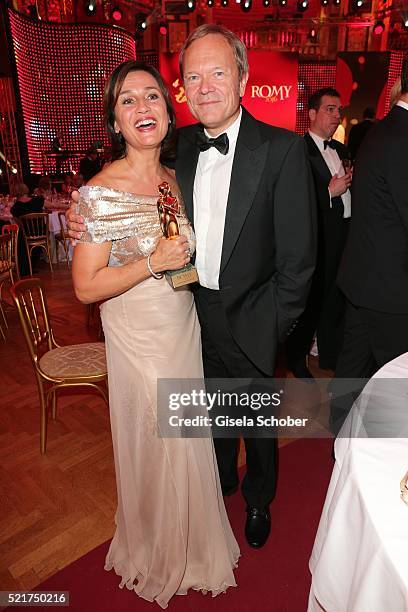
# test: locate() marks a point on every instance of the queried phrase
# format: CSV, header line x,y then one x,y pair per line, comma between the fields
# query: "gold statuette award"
x,y
169,207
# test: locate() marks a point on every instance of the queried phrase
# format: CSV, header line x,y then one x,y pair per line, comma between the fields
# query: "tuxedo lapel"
x,y
186,164
249,162
316,159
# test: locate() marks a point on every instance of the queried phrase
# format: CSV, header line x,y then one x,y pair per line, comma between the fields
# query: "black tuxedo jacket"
x,y
331,227
269,245
322,177
374,269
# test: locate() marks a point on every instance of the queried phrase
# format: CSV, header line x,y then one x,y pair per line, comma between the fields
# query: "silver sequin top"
x,y
129,221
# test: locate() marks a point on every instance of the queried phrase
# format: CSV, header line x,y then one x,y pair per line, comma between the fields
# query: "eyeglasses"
x,y
332,109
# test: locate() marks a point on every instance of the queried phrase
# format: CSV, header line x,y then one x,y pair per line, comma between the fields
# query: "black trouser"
x,y
371,339
324,312
223,358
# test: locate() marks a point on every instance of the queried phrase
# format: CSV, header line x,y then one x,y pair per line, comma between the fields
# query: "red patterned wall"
x,y
394,73
311,76
61,72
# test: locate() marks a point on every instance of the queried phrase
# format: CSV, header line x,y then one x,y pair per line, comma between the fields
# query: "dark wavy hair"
x,y
111,94
315,99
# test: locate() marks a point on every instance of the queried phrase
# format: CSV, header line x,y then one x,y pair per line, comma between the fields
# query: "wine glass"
x,y
347,163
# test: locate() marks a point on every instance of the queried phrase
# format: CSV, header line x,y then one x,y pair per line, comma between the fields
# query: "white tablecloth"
x,y
359,561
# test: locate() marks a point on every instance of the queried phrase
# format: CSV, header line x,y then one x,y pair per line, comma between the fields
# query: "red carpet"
x,y
273,579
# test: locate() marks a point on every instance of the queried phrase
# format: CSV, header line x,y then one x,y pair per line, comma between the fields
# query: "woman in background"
x,y
24,205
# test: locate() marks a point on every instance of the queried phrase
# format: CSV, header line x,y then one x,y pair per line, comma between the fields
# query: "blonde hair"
x,y
236,44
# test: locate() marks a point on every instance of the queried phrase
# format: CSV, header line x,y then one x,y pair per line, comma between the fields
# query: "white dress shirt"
x,y
333,162
210,196
402,104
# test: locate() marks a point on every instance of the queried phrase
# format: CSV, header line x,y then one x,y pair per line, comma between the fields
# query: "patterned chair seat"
x,y
75,361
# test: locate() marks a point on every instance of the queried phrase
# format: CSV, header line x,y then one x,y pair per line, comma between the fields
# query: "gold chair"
x,y
13,229
36,234
55,367
6,243
63,238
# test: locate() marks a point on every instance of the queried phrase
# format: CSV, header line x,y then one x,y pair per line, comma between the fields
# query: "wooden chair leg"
x,y
29,251
54,405
66,249
2,332
48,251
43,418
3,314
56,251
17,262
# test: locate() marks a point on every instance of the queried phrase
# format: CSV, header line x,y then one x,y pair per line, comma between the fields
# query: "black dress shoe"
x,y
228,492
257,527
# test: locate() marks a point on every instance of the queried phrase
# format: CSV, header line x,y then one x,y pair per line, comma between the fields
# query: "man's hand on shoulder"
x,y
75,223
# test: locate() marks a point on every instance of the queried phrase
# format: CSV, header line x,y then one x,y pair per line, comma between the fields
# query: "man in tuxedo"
x,y
59,148
324,312
248,191
374,268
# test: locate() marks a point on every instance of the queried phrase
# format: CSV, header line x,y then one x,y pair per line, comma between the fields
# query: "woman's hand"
x,y
170,254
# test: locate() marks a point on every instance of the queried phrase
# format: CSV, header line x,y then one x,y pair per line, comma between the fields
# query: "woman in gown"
x,y
172,531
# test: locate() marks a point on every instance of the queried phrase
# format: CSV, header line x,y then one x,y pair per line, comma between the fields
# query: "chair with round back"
x,y
13,229
62,237
6,268
36,234
56,367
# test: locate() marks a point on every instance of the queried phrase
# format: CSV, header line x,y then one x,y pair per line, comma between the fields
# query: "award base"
x,y
184,276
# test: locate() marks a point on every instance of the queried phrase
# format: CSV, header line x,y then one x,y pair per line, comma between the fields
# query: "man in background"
x,y
324,313
374,269
60,149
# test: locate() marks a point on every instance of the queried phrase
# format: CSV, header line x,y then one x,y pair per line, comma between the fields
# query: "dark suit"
x,y
325,306
357,134
268,257
374,269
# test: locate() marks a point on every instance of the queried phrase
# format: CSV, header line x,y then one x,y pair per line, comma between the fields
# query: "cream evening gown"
x,y
172,531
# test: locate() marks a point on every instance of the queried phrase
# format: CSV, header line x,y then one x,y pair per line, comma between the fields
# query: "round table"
x,y
359,561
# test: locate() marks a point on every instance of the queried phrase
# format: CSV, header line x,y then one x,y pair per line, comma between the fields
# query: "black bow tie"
x,y
329,143
221,142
